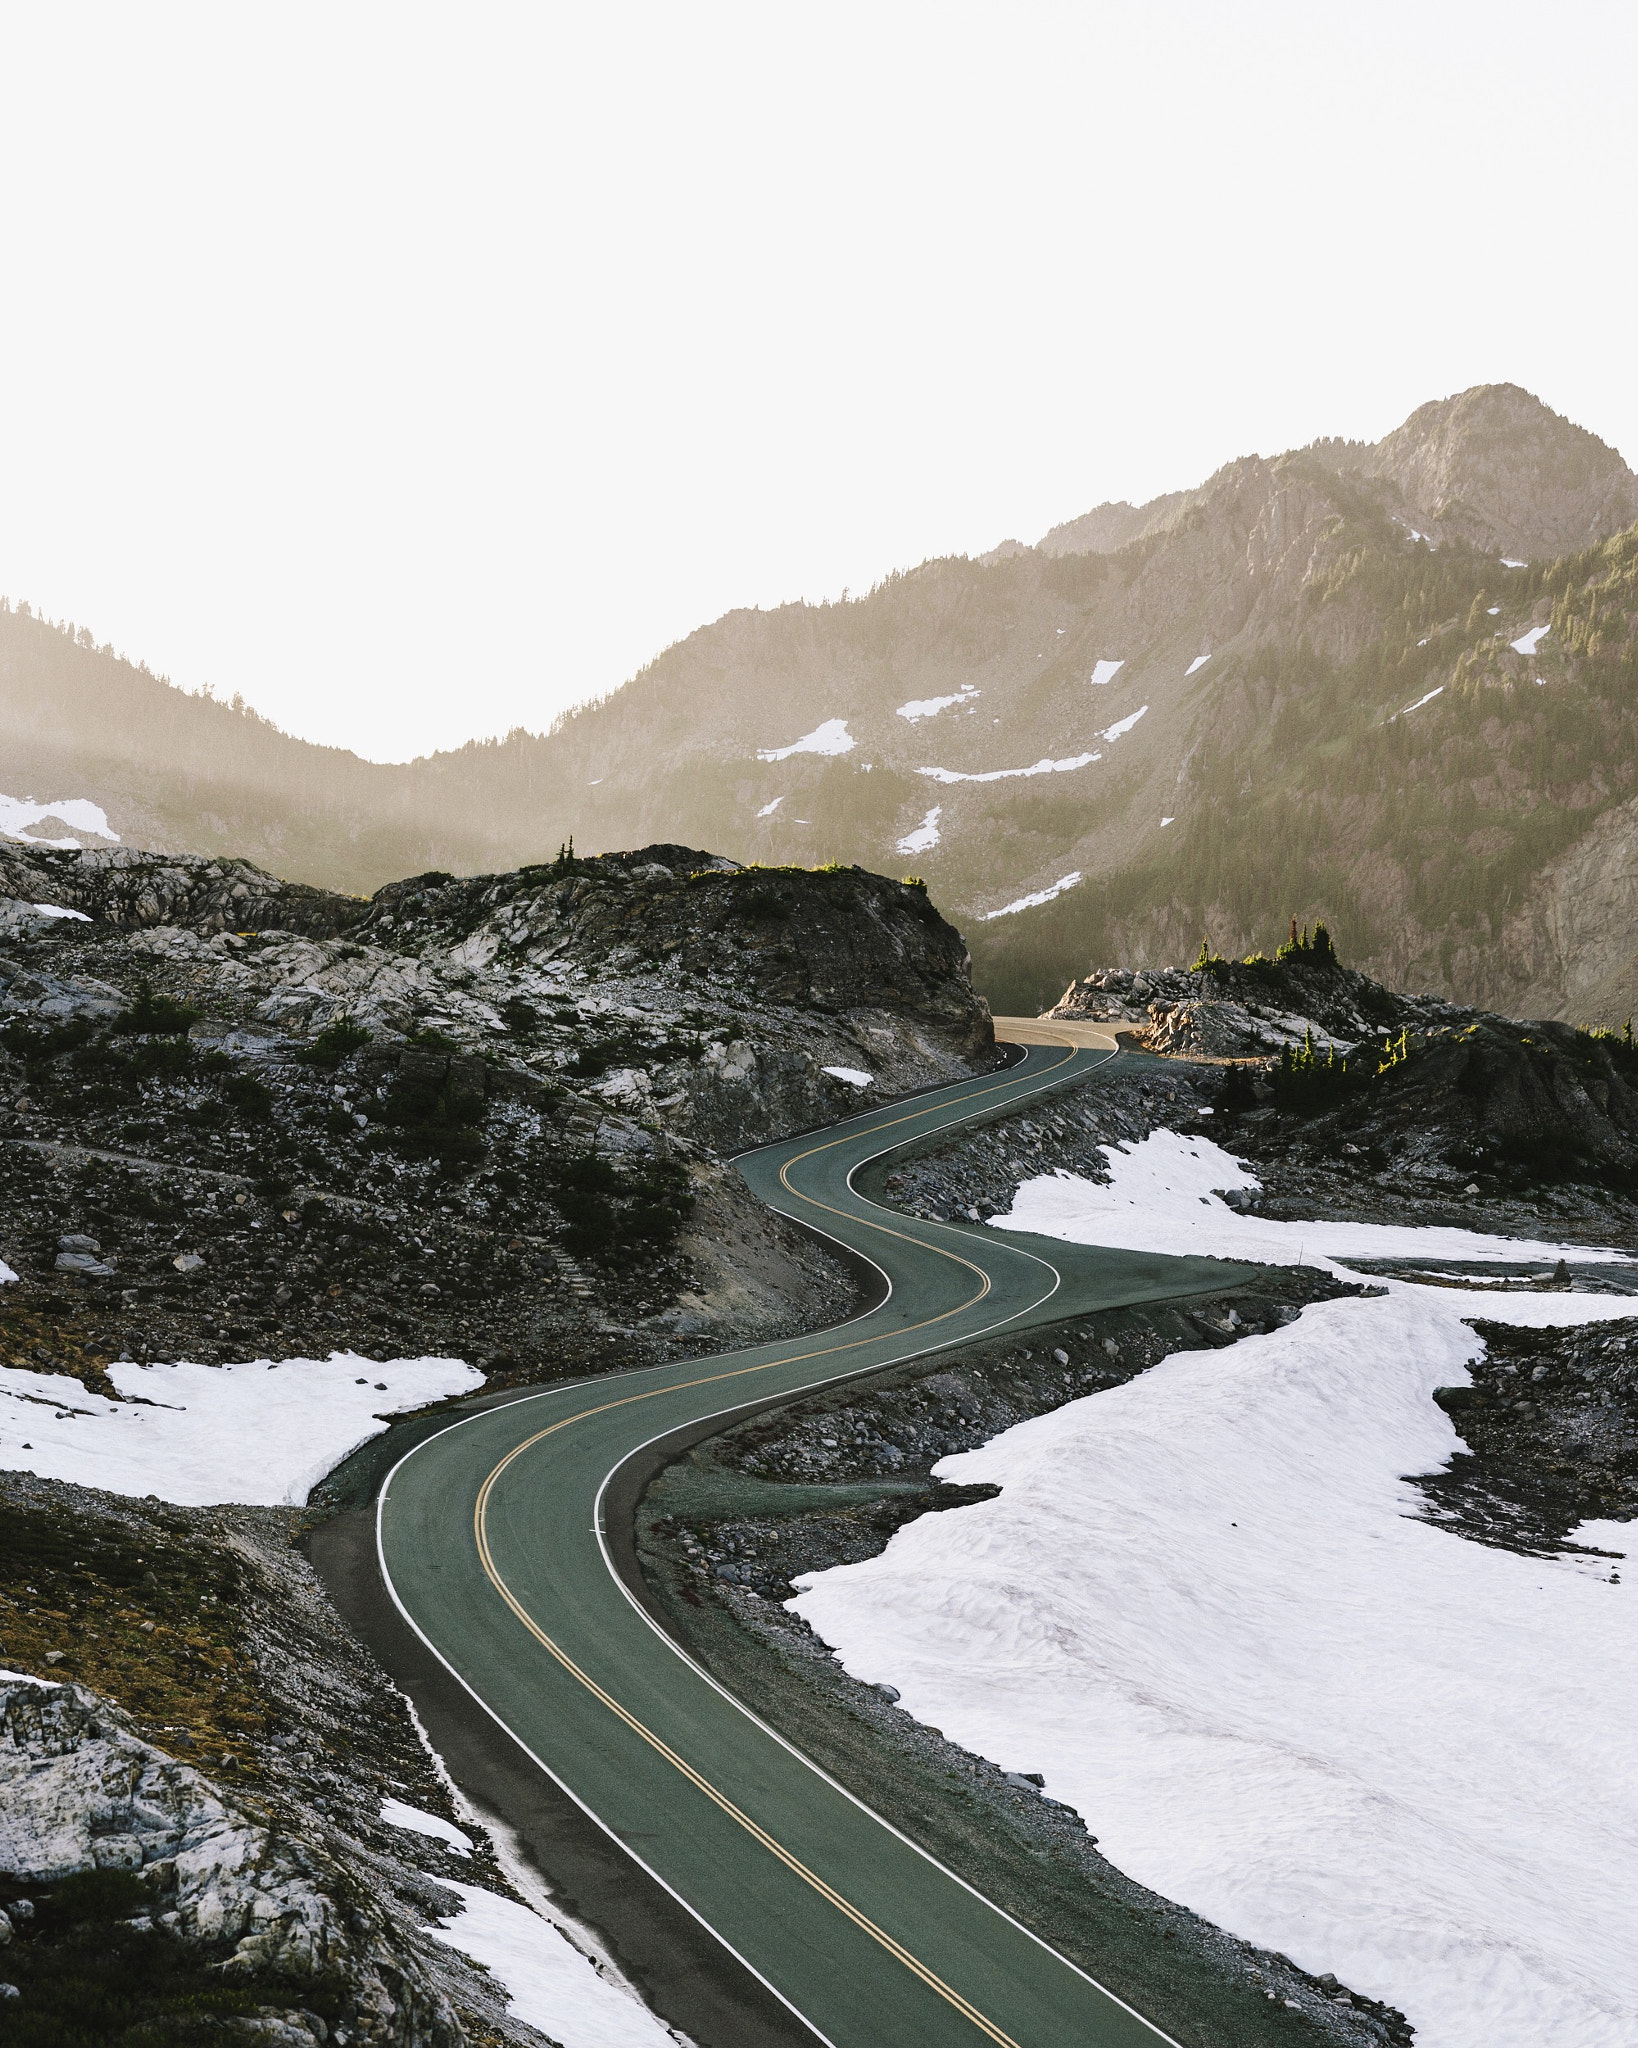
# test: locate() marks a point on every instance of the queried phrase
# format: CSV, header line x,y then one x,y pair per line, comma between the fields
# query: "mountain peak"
x,y
1496,467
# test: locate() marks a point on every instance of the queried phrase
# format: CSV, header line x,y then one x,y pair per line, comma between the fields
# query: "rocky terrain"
x,y
488,1119
191,1828
485,1119
1389,684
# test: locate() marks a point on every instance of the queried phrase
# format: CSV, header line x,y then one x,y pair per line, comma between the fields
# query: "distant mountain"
x,y
1392,684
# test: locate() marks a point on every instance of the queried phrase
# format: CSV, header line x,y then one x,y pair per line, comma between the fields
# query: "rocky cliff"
x,y
487,1117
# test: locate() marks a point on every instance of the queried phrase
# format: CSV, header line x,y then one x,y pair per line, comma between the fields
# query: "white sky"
x,y
419,372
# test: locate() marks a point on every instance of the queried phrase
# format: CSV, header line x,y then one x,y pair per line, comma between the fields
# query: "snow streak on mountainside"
x,y
1269,629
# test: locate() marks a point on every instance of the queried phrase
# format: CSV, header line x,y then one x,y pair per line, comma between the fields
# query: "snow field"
x,y
925,836
1204,1609
930,707
551,1984
1428,699
262,1433
832,737
19,814
1105,672
397,1814
1007,774
1031,901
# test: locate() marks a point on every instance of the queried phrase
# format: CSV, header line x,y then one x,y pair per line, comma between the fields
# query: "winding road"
x,y
499,1538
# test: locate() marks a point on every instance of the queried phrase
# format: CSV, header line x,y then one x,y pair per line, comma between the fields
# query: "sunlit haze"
x,y
419,373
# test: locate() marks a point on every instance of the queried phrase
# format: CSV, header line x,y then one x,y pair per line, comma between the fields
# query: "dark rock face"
x,y
1551,1428
485,1118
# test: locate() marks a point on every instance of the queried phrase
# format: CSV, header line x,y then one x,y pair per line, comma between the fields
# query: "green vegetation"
x,y
421,1120
334,1043
608,1208
1308,1083
87,1978
156,1015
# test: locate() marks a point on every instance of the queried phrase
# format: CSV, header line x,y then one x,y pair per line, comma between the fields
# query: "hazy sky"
x,y
419,372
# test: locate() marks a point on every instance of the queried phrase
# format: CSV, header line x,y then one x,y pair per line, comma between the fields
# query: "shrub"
x,y
334,1043
608,1208
156,1016
249,1096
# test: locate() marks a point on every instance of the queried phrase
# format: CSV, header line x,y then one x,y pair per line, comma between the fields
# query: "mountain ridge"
x,y
1076,743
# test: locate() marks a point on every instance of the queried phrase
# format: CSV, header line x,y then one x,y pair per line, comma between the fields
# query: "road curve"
x,y
492,1542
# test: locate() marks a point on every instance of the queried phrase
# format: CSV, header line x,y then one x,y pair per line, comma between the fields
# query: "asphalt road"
x,y
492,1541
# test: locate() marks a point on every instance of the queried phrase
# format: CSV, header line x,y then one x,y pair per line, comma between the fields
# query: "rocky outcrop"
x,y
79,1792
129,890
488,1117
1495,468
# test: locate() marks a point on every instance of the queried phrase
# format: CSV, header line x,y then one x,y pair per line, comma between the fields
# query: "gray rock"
x,y
77,1243
79,1791
83,1263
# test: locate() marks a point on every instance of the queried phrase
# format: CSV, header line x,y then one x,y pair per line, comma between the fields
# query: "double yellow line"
x,y
623,1714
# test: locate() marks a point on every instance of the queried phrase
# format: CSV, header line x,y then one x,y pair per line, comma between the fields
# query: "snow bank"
x,y
1204,1609
930,707
1006,774
1161,1197
263,1433
832,737
18,814
1121,726
399,1815
1030,902
552,1985
856,1077
1529,642
1105,672
925,837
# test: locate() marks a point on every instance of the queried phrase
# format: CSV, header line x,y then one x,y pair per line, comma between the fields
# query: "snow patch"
x,y
1164,1194
925,836
832,737
1105,672
856,1077
1007,774
1121,726
1198,662
1527,643
262,1432
1428,699
18,814
398,1815
930,707
1508,563
1204,1608
1167,821
1030,902
59,910
552,1986
768,810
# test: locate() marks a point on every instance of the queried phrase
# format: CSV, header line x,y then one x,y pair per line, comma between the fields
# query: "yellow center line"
x,y
623,1714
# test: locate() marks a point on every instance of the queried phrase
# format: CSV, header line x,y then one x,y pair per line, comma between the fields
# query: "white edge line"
x,y
918,1351
685,1658
539,1762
